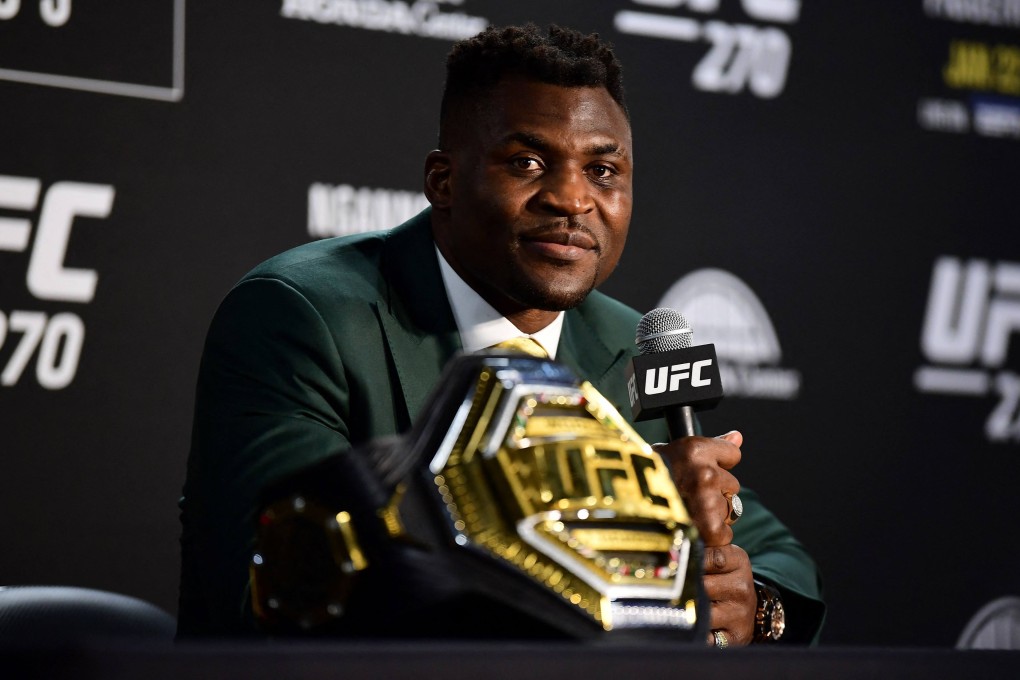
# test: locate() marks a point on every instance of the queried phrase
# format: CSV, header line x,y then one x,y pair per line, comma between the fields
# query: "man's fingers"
x,y
733,437
715,560
704,491
723,451
729,588
701,468
710,517
711,478
725,559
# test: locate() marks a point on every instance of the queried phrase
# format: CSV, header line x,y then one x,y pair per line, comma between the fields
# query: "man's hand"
x,y
729,586
701,468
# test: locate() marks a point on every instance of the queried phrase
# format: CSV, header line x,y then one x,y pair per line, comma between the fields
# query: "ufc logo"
x,y
47,277
658,380
973,310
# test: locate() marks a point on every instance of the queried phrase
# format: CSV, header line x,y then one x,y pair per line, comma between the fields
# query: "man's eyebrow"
x,y
528,139
606,149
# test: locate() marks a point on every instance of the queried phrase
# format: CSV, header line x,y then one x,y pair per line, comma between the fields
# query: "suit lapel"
x,y
415,315
582,349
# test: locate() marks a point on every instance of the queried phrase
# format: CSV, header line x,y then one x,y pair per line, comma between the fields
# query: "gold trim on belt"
x,y
551,480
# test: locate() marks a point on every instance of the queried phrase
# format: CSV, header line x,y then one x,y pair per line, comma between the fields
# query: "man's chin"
x,y
553,299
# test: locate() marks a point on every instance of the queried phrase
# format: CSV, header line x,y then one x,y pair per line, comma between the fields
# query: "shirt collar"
x,y
479,323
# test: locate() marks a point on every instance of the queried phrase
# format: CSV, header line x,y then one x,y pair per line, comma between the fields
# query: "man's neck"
x,y
531,320
482,325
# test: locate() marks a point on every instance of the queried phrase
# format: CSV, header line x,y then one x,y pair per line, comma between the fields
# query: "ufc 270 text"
x,y
50,343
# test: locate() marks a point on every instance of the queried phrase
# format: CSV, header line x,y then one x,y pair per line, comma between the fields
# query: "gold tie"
x,y
526,345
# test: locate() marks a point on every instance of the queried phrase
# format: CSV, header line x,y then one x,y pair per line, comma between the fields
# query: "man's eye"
x,y
602,171
525,163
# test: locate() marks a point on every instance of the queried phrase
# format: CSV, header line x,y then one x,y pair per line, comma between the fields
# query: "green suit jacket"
x,y
336,342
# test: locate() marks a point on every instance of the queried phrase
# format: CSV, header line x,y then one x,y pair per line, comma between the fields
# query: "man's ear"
x,y
437,179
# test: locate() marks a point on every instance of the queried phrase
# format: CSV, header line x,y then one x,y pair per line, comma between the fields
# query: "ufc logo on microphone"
x,y
687,376
656,379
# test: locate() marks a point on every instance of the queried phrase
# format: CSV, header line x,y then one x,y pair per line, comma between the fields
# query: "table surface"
x,y
490,661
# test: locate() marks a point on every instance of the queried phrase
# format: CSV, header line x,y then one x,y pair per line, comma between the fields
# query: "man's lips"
x,y
560,244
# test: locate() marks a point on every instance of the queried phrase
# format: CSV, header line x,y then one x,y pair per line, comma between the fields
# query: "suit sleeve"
x,y
779,559
272,398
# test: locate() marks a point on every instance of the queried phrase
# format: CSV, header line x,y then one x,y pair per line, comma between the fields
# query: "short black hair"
x,y
561,57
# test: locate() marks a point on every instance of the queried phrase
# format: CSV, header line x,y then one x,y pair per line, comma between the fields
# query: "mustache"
x,y
569,231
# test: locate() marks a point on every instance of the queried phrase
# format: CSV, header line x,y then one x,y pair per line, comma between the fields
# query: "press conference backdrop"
x,y
828,190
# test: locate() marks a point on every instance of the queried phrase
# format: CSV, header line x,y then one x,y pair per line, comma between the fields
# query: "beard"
x,y
532,294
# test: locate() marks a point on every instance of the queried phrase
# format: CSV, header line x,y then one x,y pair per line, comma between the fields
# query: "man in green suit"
x,y
337,342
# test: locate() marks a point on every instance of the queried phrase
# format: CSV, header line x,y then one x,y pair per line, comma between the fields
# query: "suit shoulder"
x,y
333,263
346,266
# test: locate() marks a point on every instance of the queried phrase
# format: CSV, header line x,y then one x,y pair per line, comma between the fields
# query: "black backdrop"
x,y
847,171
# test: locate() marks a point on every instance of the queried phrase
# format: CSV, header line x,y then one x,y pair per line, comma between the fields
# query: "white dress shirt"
x,y
480,325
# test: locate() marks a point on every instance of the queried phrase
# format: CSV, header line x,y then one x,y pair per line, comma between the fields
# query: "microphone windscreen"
x,y
663,330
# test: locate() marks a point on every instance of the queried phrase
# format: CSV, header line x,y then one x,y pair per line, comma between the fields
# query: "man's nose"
x,y
566,192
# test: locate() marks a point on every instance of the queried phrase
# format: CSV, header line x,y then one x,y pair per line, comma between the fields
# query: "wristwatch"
x,y
770,618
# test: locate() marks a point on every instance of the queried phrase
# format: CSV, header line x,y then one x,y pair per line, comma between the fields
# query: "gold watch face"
x,y
549,478
778,623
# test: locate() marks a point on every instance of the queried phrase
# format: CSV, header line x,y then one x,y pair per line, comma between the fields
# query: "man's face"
x,y
537,200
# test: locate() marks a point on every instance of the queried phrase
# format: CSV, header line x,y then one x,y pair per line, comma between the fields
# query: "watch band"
x,y
770,617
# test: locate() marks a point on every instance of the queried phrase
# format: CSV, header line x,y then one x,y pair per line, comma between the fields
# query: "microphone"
x,y
672,377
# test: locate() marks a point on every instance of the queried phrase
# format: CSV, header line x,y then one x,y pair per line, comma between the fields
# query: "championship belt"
x,y
521,499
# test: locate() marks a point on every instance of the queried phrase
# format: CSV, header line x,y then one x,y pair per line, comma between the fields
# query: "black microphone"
x,y
672,377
